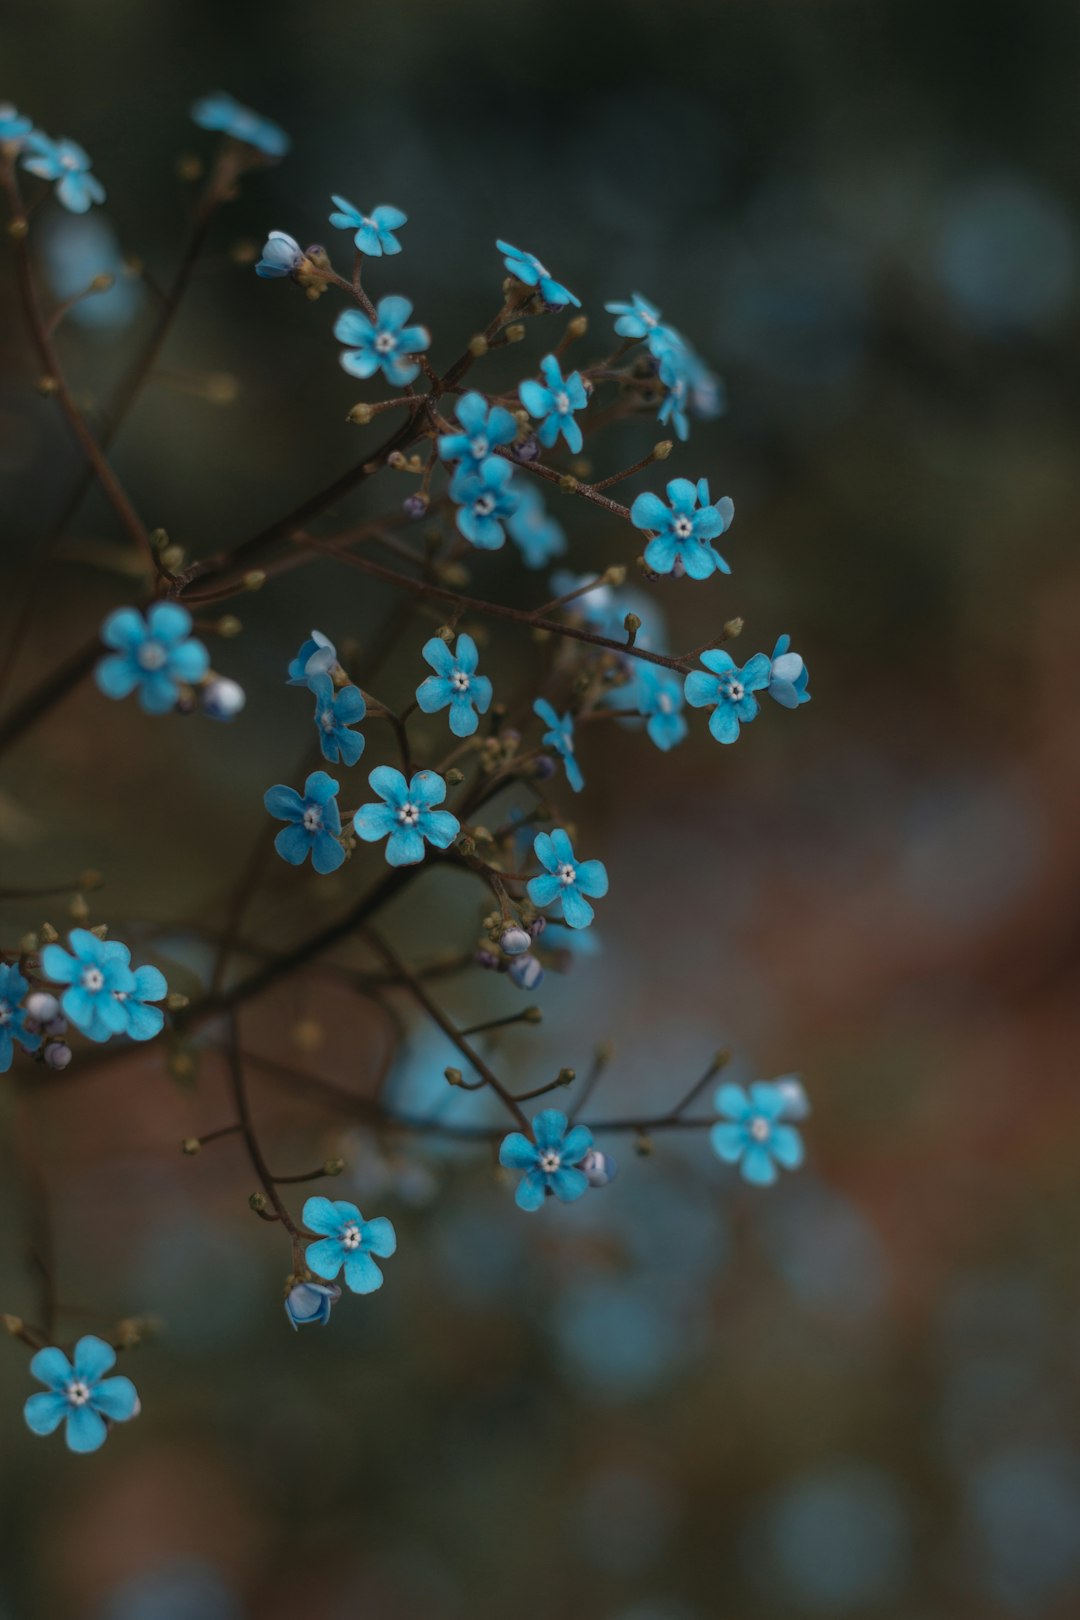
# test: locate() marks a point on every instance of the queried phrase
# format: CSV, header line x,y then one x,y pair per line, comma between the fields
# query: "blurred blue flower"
x,y
76,250
317,656
220,112
482,429
1025,1506
308,1302
80,1395
681,531
347,1240
834,1542
484,500
455,684
560,736
565,880
96,972
788,676
534,531
314,822
755,1139
373,233
675,376
335,712
13,988
640,319
13,126
407,815
154,654
555,403
548,1160
67,163
383,344
282,255
142,1021
728,690
656,693
528,269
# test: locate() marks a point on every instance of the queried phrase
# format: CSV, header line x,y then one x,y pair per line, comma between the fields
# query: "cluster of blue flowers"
x,y
690,388
104,994
155,655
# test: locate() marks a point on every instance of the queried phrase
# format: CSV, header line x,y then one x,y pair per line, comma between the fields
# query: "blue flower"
x,y
682,531
527,268
560,736
566,879
728,690
658,694
373,232
334,714
98,974
80,1396
13,1017
407,816
534,531
484,500
143,1022
640,319
482,430
282,255
556,403
756,1139
383,343
154,654
347,1240
690,385
548,1160
315,822
317,656
67,163
221,112
13,126
455,682
788,676
308,1302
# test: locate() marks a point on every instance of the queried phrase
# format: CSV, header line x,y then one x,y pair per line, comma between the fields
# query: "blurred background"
x,y
854,1394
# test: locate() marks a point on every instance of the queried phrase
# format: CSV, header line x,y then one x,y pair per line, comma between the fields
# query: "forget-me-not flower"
x,y
153,654
549,1161
752,1133
308,1302
13,126
675,376
566,880
141,1020
640,319
373,233
455,683
407,816
314,822
384,344
222,113
727,690
99,982
534,531
788,676
482,429
66,163
13,1017
555,403
282,255
347,1240
335,712
317,656
681,532
657,694
79,1395
528,269
484,501
560,736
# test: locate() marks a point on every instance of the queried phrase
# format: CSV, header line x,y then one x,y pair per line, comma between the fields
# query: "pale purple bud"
x,y
515,941
223,699
526,972
600,1168
57,1054
41,1006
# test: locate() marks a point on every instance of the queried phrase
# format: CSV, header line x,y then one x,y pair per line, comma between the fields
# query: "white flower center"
x,y
92,978
326,720
664,703
5,1014
409,815
484,505
566,874
480,447
683,527
759,1129
562,403
735,691
78,1392
351,1237
312,818
151,655
68,161
385,343
459,681
550,1160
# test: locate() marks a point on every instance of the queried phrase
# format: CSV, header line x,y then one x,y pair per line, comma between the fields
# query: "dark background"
x,y
855,1395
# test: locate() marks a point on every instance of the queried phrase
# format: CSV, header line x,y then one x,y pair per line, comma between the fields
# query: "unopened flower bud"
x,y
57,1055
733,627
454,1077
78,910
41,1006
102,283
254,579
223,699
515,941
191,1145
532,1015
515,333
615,575
361,414
308,1302
525,972
600,1168
229,625
537,926
257,1203
526,449
478,345
662,450
487,959
333,1167
796,1102
454,777
415,505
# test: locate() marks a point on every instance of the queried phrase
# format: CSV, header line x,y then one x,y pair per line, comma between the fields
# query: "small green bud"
x,y
191,1145
454,1076
333,1167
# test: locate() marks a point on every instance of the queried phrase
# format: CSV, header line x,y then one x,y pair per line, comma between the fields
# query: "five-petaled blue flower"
x,y
752,1133
656,693
640,319
315,822
154,654
334,714
534,531
528,269
220,112
484,501
382,344
13,1017
308,1302
65,162
407,816
80,1395
788,676
13,126
566,879
683,530
455,683
100,984
728,690
317,656
282,255
142,1021
549,1160
560,736
347,1240
556,403
373,233
482,431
